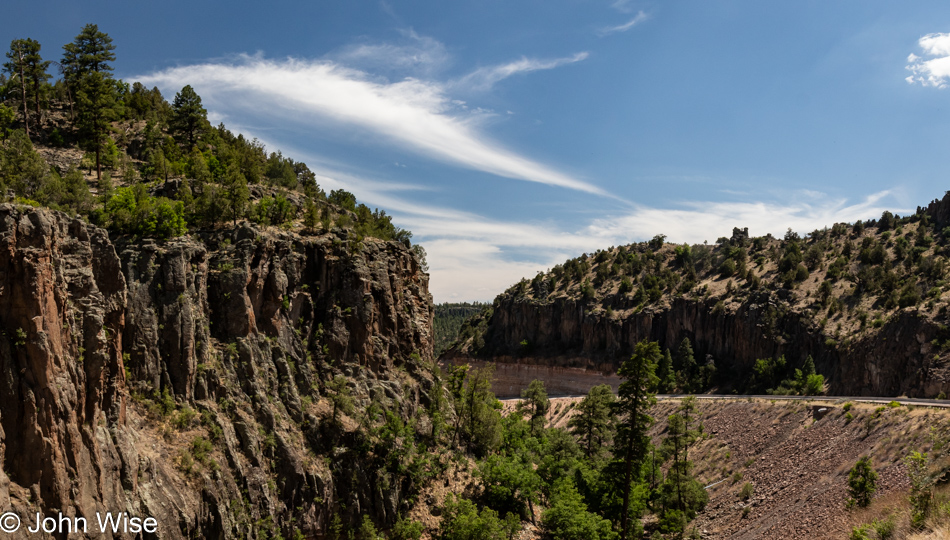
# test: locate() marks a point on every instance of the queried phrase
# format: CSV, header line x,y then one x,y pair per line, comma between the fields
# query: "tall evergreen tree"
x,y
189,119
536,402
28,67
634,399
808,368
90,52
236,192
476,408
16,69
87,70
594,422
665,374
36,72
681,494
688,370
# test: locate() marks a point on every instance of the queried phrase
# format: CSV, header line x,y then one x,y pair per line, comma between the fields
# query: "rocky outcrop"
x,y
186,380
938,210
571,346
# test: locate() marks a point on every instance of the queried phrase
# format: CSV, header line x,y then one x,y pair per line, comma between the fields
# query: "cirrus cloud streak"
x,y
415,114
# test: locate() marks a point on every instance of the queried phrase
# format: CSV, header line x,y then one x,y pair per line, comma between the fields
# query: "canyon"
x,y
186,380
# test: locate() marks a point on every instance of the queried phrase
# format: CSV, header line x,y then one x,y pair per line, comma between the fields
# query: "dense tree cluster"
x,y
159,167
590,481
448,319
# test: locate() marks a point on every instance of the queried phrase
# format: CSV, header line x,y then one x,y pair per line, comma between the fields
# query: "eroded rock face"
x,y
244,327
572,348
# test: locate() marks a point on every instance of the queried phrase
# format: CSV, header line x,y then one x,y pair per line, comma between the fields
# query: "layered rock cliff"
x,y
867,302
187,380
573,349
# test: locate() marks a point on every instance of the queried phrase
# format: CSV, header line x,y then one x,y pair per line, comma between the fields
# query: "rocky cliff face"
x,y
572,348
187,380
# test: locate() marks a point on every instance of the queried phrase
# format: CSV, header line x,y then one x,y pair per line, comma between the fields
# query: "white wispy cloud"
x,y
698,221
415,114
416,55
934,69
484,78
637,19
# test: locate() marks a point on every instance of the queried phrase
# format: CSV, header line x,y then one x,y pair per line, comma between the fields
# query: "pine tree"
x,y
311,215
87,70
634,400
809,367
28,67
862,482
21,167
687,366
235,192
198,168
681,493
594,422
665,374
536,402
211,205
189,119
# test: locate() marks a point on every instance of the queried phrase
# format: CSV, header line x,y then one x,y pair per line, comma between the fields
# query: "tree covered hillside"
x,y
449,318
122,156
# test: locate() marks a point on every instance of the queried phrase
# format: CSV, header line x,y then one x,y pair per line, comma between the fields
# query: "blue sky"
x,y
509,136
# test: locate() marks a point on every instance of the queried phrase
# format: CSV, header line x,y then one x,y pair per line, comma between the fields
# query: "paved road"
x,y
862,399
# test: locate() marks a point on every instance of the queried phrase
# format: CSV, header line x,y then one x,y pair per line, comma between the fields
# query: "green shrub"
x,y
367,530
885,528
814,385
201,448
727,268
746,492
406,529
462,520
568,518
184,417
626,285
859,533
131,210
862,482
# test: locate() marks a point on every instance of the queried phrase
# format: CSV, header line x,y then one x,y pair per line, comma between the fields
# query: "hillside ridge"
x,y
866,301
